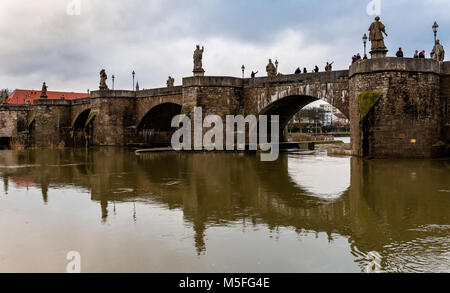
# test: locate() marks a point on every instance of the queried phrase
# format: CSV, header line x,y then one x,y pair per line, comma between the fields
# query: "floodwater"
x,y
345,139
211,212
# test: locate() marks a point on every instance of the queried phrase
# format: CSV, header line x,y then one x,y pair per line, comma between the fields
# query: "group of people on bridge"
x,y
328,67
438,53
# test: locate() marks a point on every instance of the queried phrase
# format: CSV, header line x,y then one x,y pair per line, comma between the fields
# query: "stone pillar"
x,y
215,95
199,72
378,54
115,122
52,123
445,97
395,108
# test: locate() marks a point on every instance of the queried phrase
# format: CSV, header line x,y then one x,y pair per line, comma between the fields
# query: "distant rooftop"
x,y
23,97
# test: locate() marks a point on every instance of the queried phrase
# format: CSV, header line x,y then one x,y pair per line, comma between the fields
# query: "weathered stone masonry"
x,y
405,114
398,107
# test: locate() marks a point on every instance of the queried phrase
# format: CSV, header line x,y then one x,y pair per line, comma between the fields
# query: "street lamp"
x,y
435,30
276,65
113,78
365,43
134,74
243,71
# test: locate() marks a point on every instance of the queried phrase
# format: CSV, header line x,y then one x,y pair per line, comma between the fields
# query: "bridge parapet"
x,y
390,64
445,68
167,91
45,102
81,101
113,94
8,107
212,81
322,77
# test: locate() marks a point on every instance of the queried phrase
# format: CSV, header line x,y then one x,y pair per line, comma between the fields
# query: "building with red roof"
x,y
27,97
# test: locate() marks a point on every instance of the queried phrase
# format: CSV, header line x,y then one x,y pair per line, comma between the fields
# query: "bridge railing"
x,y
166,91
332,76
7,107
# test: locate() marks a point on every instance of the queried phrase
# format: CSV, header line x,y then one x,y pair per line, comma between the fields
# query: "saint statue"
x,y
170,82
198,56
438,52
44,91
103,78
5,97
376,35
271,69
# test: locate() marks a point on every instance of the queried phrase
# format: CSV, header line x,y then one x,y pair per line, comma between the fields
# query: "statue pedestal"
x,y
378,53
199,72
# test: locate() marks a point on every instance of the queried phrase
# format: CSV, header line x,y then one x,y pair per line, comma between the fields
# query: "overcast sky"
x,y
156,38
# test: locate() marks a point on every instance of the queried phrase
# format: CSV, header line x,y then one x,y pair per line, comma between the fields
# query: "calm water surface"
x,y
221,212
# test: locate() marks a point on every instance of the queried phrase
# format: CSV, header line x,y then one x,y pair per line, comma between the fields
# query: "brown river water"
x,y
221,212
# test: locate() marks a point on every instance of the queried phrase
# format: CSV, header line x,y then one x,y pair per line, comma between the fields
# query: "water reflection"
x,y
397,208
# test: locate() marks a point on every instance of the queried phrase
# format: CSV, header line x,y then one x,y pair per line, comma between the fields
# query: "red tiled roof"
x,y
21,97
23,181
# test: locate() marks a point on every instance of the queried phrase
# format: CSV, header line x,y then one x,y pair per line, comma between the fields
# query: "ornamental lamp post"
x,y
113,78
134,74
435,30
365,43
243,71
276,65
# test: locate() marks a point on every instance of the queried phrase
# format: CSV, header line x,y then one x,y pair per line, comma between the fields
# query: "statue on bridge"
x,y
103,78
170,82
4,96
438,52
376,37
198,65
271,69
44,91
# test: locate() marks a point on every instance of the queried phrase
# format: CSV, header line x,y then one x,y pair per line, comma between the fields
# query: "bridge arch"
x,y
155,128
287,107
82,128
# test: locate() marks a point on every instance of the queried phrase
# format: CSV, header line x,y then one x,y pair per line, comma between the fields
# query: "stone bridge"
x,y
398,107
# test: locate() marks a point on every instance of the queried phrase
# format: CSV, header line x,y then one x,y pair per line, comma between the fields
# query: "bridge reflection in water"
x,y
397,208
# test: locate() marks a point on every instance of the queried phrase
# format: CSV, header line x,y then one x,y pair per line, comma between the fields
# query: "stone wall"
x,y
115,122
398,107
395,108
445,94
219,96
52,123
14,130
13,120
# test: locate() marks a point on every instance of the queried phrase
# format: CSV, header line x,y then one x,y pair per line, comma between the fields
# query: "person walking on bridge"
x,y
298,71
316,69
399,53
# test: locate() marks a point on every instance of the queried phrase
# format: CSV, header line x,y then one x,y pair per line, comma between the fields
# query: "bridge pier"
x,y
115,122
52,123
396,108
